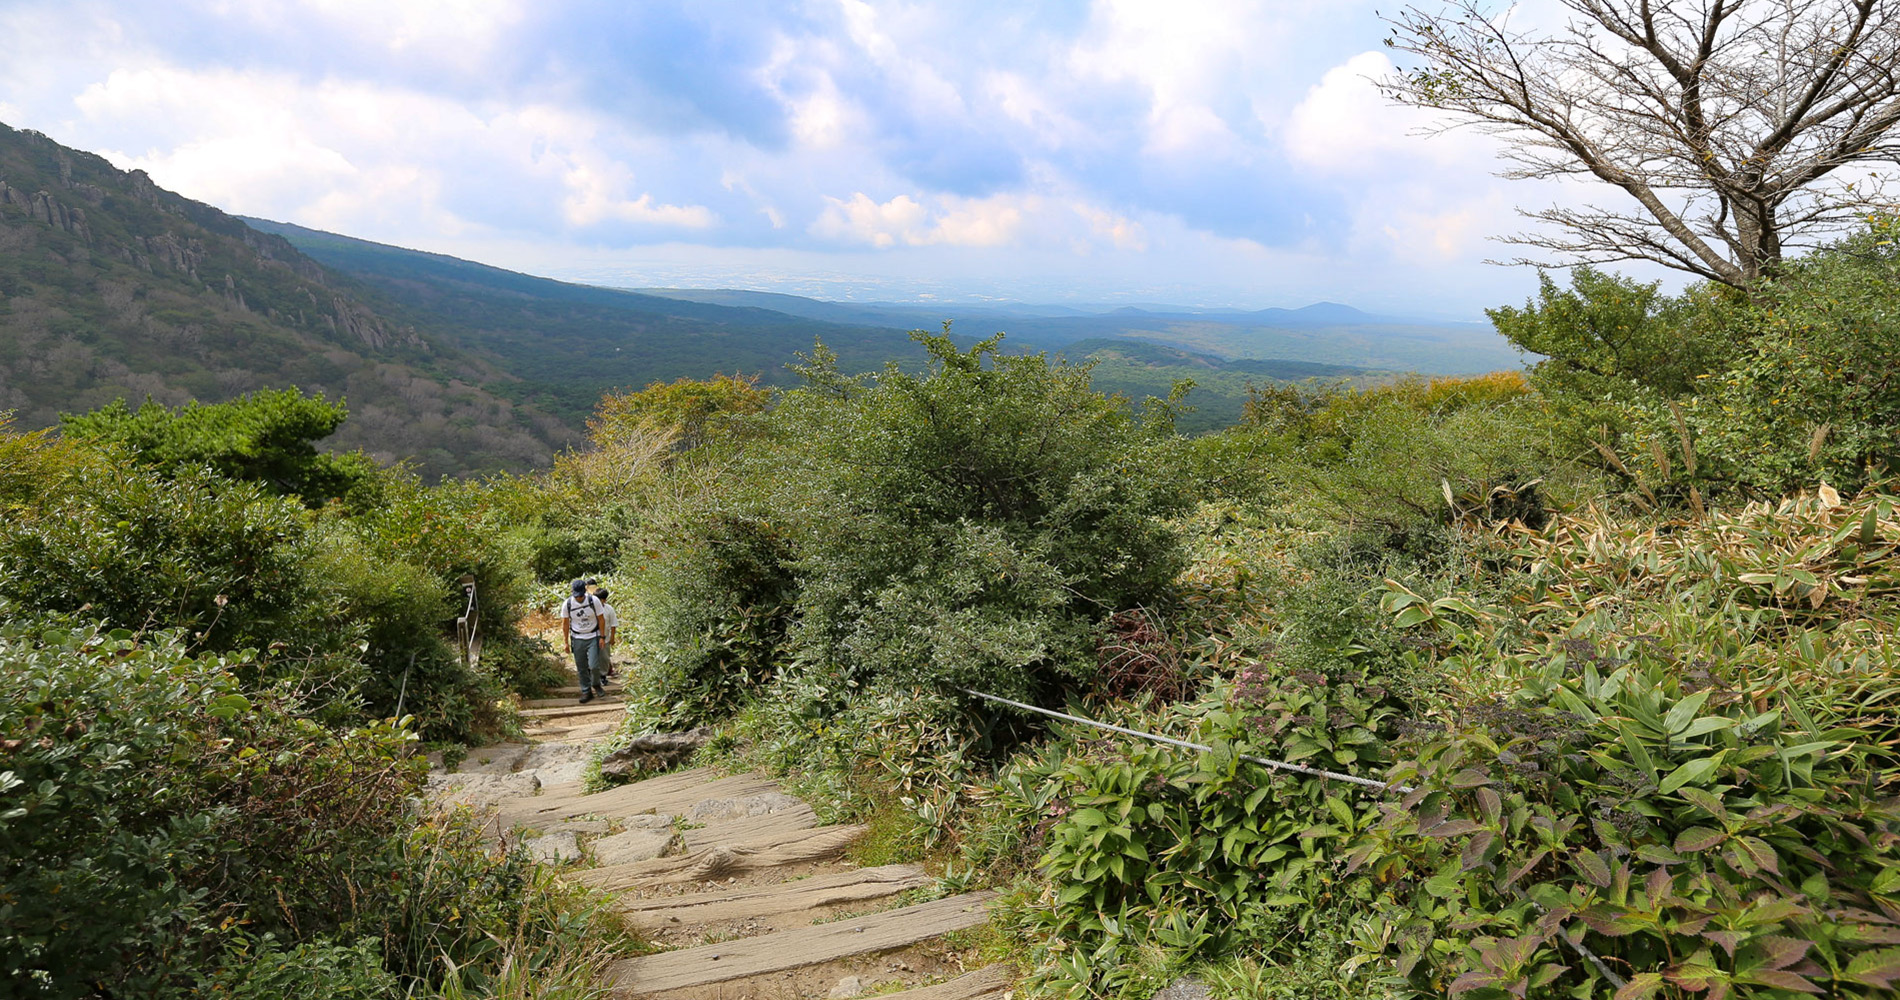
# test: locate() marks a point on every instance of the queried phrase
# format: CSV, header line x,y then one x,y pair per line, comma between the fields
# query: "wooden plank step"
x,y
791,949
813,893
989,981
667,794
724,861
750,828
535,705
569,709
574,690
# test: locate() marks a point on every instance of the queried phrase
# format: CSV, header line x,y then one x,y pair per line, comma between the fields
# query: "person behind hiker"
x,y
582,613
610,631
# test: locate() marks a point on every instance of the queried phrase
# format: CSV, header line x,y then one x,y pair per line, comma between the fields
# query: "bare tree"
x,y
1729,122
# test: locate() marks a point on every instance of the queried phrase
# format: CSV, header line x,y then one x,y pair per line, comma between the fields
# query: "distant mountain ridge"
x,y
1324,333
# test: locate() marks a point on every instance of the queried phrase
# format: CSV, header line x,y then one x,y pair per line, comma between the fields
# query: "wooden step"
x,y
563,702
989,981
723,861
668,794
791,949
573,690
813,893
746,829
570,709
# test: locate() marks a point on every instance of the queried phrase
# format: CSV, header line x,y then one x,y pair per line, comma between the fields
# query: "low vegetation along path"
x,y
737,880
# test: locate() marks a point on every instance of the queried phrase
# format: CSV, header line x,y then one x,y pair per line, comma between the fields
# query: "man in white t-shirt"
x,y
583,615
610,633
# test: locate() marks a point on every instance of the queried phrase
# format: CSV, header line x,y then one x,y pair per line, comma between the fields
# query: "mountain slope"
x,y
111,287
566,344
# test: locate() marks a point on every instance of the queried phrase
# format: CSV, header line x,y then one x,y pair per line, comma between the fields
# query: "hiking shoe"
x,y
586,696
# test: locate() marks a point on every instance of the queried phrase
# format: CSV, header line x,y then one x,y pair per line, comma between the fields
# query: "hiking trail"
x,y
751,897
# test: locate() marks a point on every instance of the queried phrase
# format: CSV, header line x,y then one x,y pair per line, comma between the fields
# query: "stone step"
x,y
498,758
582,732
817,892
790,949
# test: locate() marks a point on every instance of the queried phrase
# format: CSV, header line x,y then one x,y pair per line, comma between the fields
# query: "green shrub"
x,y
154,823
974,523
263,969
146,803
710,614
265,437
398,610
1607,335
222,559
1811,399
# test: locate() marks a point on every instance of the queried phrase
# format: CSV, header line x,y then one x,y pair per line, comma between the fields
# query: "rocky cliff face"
x,y
112,287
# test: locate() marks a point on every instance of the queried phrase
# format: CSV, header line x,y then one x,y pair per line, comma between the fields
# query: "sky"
x,y
1216,153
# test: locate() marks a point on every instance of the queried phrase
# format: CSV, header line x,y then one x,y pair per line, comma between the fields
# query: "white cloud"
x,y
1417,200
902,219
461,36
1188,56
1345,126
596,194
1117,231
356,156
1120,138
1003,220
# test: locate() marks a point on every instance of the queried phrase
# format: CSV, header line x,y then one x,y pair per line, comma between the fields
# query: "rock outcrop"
x,y
653,752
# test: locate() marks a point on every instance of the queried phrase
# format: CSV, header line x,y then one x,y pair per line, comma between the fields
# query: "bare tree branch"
x,y
1725,121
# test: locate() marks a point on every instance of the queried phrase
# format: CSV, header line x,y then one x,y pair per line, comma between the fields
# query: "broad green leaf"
x,y
1677,720
1695,770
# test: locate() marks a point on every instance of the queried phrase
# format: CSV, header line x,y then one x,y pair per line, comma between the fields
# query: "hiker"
x,y
610,630
582,613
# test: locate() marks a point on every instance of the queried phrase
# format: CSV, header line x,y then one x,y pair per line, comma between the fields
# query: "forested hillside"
x,y
111,287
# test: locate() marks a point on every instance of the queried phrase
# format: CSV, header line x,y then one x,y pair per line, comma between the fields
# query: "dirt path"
x,y
751,897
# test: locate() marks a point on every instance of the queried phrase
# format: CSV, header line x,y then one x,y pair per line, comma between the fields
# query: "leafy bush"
x,y
715,607
157,827
263,969
696,410
139,784
267,437
1608,334
974,523
1207,854
1811,399
400,568
1709,844
195,551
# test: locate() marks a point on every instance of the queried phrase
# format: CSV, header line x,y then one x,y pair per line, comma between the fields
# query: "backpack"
x,y
583,617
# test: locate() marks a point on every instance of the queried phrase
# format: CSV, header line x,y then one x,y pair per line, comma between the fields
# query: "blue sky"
x,y
1200,152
